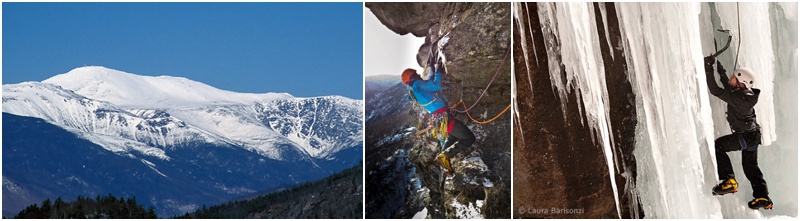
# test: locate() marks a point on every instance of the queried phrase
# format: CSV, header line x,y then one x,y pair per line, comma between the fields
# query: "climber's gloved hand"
x,y
709,61
708,65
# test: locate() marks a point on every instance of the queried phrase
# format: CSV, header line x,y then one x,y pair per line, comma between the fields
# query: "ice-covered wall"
x,y
782,172
666,43
578,49
677,118
674,126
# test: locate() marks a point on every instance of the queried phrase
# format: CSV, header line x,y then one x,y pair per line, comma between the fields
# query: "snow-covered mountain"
x,y
106,105
147,118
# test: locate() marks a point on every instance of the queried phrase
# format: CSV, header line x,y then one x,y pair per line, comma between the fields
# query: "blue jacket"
x,y
428,93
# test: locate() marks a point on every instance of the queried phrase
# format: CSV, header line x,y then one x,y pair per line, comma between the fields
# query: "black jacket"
x,y
741,114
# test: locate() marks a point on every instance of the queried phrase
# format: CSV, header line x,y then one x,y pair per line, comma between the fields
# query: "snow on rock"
x,y
469,211
11,186
421,214
474,163
321,126
101,122
153,167
235,125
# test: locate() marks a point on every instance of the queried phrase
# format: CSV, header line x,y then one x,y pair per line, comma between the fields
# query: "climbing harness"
x,y
437,123
743,143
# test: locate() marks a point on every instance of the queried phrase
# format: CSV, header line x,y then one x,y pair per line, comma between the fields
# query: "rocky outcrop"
x,y
406,17
391,190
473,40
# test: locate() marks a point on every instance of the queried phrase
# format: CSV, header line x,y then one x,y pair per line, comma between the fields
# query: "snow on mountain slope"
x,y
135,91
104,105
321,125
97,121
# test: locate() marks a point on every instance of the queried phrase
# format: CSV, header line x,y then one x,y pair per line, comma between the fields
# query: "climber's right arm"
x,y
431,85
715,90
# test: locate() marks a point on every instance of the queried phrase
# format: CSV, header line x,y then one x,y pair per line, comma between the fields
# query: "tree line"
x,y
336,196
101,207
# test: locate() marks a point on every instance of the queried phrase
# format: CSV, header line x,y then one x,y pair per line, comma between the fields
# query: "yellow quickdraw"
x,y
445,162
440,132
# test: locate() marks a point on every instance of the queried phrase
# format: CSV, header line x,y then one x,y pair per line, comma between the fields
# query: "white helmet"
x,y
745,76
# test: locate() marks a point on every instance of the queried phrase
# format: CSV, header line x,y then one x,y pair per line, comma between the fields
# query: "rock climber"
x,y
740,96
427,93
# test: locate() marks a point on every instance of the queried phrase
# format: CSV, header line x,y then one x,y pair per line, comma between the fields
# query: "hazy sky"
x,y
386,52
305,49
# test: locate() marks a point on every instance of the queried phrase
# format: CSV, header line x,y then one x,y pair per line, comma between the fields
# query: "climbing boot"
x,y
726,186
445,162
757,203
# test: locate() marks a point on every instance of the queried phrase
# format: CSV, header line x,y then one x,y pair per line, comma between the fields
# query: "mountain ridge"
x,y
220,147
213,119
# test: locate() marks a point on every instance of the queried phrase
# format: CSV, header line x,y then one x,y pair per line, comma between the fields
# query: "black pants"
x,y
460,133
731,142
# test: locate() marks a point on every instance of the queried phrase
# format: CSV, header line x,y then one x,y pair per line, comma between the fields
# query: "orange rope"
x,y
482,122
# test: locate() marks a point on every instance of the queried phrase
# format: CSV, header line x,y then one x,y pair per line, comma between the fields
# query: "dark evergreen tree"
x,y
83,208
336,196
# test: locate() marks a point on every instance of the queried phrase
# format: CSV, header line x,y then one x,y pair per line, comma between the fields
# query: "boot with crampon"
x,y
726,186
757,203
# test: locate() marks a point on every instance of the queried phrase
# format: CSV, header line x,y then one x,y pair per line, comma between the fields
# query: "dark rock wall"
x,y
623,111
557,163
478,38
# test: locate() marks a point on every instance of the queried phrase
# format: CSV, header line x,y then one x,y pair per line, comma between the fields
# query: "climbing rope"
x,y
483,122
739,28
487,86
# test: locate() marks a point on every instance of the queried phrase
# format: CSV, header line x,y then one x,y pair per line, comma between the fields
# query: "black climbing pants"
x,y
460,133
732,142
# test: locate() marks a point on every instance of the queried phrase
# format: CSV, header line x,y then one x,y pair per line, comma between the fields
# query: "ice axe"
x,y
727,44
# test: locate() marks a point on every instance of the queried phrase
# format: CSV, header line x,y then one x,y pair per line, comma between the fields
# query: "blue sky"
x,y
305,49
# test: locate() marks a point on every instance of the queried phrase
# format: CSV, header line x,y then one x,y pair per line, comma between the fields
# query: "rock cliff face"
x,y
473,40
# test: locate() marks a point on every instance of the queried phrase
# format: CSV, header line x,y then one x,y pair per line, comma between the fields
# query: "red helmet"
x,y
407,75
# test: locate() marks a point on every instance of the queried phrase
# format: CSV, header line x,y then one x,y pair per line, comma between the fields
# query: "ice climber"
x,y
427,93
740,96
